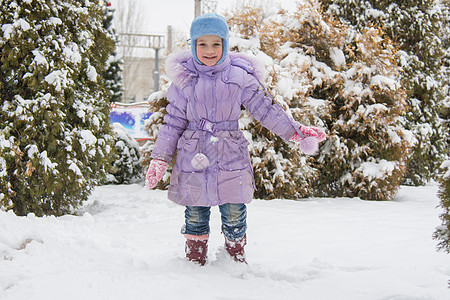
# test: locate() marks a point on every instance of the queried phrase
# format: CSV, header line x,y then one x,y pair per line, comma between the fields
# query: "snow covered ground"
x,y
125,244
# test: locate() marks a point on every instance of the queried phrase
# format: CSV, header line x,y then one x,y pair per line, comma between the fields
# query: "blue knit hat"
x,y
209,24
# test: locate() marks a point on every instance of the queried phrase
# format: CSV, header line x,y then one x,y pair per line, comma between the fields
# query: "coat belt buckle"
x,y
207,126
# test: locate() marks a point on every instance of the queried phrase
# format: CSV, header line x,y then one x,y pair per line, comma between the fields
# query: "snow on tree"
x,y
442,232
415,26
55,136
126,168
331,76
112,74
445,69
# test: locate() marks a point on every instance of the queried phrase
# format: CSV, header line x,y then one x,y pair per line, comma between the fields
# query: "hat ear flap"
x,y
194,50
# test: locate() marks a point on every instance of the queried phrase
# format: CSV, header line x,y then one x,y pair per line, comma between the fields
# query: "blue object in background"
x,y
124,118
145,117
132,118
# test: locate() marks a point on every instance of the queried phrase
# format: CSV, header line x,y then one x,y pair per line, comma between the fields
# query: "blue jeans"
x,y
233,215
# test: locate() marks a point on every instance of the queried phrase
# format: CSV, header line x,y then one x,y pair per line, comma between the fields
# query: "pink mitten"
x,y
309,144
155,172
313,131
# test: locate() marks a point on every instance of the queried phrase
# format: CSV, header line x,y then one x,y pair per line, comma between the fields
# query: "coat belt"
x,y
211,127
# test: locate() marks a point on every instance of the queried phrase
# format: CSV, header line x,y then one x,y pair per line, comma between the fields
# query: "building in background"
x,y
138,77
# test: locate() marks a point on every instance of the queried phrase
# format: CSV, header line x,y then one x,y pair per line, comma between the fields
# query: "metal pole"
x,y
169,38
156,72
198,8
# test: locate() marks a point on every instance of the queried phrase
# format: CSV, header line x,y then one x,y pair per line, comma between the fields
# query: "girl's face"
x,y
209,49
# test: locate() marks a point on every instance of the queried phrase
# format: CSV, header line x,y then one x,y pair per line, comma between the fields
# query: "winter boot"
x,y
236,248
196,248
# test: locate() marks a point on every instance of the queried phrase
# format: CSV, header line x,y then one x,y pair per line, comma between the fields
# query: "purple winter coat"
x,y
202,117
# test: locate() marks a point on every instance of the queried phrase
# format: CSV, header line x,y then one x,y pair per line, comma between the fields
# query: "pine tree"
x,y
126,168
348,82
415,26
54,131
442,233
112,74
445,70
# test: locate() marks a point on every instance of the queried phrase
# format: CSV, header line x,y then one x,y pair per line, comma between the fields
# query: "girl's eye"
x,y
217,45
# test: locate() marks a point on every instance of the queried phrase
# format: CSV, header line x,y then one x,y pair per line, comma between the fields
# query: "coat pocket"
x,y
186,150
234,155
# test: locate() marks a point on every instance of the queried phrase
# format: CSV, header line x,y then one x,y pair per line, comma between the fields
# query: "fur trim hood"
x,y
181,68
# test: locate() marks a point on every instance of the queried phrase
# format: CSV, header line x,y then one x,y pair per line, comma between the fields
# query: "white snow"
x,y
126,245
394,137
95,121
32,150
425,129
91,73
3,169
58,78
372,170
7,30
87,140
73,167
375,13
39,58
55,21
72,53
87,137
337,56
446,167
381,81
47,163
23,24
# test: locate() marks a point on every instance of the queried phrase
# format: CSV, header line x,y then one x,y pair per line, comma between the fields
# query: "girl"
x,y
212,167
